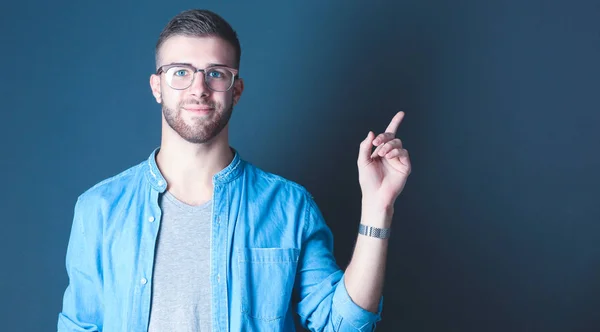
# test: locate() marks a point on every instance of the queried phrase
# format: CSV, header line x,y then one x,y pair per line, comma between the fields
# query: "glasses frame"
x,y
234,72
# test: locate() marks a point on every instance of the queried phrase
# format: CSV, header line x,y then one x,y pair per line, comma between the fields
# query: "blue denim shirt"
x,y
271,256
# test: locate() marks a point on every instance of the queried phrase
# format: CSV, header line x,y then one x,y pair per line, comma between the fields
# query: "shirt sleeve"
x,y
323,301
82,301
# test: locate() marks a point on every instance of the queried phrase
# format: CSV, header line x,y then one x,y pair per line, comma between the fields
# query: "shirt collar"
x,y
227,174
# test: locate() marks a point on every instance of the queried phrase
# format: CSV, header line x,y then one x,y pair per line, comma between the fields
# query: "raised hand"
x,y
382,173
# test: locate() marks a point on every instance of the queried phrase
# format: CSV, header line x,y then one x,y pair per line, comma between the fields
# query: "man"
x,y
197,239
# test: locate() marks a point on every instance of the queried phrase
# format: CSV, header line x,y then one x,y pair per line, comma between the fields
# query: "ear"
x,y
155,86
238,88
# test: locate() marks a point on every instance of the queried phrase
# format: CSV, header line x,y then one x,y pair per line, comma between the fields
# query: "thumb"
x,y
364,153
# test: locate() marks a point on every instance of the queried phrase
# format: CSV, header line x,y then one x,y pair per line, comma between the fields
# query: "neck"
x,y
189,168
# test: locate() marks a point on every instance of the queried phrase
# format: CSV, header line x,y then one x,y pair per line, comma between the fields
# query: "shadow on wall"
x,y
377,62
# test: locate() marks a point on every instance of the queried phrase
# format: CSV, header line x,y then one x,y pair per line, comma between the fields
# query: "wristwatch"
x,y
380,233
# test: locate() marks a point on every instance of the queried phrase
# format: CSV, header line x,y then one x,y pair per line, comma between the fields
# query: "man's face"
x,y
197,113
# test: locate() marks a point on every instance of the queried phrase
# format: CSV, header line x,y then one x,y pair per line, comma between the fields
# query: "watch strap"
x,y
380,233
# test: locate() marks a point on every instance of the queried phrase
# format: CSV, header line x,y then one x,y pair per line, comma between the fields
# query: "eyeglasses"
x,y
180,76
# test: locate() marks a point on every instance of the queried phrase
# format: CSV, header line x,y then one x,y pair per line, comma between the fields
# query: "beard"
x,y
202,129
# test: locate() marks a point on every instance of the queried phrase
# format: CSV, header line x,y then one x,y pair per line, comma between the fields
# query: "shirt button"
x,y
160,182
143,281
151,219
218,278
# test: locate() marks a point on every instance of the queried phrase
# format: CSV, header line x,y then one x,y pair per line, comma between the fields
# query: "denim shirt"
x,y
271,256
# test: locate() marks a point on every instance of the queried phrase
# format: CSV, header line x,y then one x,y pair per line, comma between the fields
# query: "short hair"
x,y
200,23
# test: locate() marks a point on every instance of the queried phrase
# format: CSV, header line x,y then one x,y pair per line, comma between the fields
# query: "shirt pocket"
x,y
266,279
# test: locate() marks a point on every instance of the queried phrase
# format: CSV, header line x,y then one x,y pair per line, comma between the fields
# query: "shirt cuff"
x,y
351,312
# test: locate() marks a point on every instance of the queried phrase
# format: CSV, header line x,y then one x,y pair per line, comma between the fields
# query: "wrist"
x,y
376,215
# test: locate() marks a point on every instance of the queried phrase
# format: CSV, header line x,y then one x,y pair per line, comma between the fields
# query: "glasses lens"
x,y
219,79
179,77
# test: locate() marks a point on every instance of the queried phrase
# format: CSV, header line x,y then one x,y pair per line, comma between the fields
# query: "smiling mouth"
x,y
198,109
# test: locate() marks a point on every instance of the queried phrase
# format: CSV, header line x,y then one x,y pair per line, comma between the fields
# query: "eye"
x,y
181,72
215,74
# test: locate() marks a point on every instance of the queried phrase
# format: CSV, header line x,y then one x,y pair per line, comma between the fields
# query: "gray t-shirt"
x,y
181,294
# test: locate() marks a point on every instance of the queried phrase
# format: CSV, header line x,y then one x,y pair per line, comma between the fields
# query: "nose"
x,y
198,86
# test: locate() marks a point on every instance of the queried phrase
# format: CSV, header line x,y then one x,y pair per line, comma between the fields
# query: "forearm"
x,y
364,275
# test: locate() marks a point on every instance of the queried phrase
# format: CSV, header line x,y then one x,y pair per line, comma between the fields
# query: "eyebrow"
x,y
217,65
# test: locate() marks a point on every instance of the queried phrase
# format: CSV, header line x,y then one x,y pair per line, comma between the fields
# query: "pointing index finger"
x,y
395,123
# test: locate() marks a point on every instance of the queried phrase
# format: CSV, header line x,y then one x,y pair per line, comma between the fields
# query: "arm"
x,y
323,301
330,300
382,176
82,301
366,271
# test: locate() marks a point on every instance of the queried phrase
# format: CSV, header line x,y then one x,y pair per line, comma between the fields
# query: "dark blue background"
x,y
498,227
